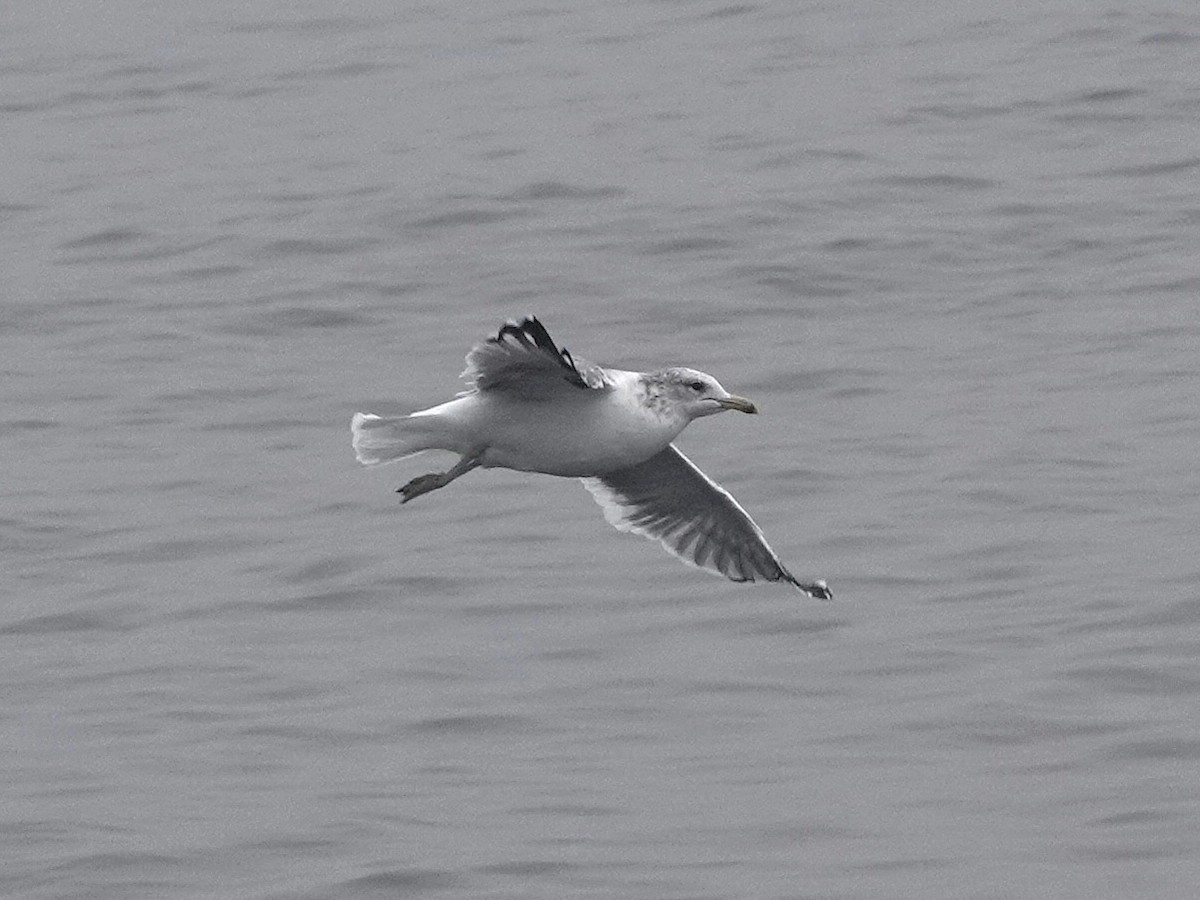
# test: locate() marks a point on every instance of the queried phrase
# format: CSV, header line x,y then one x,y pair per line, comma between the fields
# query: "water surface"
x,y
952,256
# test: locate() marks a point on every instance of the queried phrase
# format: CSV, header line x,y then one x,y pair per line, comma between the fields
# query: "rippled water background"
x,y
951,250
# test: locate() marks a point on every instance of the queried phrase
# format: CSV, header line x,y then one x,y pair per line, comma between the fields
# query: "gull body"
x,y
584,433
533,408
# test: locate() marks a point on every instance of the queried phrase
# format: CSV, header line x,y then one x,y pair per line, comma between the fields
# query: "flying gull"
x,y
532,407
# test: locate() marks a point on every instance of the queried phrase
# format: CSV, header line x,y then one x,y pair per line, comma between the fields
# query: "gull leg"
x,y
423,484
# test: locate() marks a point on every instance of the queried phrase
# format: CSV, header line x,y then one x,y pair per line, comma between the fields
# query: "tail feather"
x,y
379,439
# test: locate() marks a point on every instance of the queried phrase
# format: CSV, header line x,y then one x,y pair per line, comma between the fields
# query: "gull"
x,y
532,407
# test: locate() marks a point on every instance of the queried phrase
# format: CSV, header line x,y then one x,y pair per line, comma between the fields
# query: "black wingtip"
x,y
527,330
818,589
530,332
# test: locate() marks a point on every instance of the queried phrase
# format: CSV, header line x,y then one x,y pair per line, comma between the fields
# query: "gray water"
x,y
949,249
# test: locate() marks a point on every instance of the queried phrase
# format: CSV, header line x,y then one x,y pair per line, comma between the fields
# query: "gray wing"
x,y
523,359
670,500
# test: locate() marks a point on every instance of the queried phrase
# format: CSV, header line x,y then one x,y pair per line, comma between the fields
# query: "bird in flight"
x,y
532,407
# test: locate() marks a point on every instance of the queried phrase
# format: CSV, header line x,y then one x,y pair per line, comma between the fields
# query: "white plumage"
x,y
532,407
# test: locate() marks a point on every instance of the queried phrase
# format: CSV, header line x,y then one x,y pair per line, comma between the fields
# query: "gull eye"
x,y
697,386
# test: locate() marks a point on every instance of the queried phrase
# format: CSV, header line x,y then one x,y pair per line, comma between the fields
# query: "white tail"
x,y
382,440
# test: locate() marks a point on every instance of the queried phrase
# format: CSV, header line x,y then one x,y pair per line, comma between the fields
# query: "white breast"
x,y
586,433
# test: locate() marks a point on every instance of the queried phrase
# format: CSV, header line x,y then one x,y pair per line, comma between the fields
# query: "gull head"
x,y
697,394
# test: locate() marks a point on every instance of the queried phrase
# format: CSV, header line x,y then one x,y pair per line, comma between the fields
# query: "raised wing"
x,y
522,358
670,500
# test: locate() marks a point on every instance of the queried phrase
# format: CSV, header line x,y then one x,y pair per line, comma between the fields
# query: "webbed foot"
x,y
422,484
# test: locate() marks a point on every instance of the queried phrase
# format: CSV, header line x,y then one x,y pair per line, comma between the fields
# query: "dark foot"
x,y
422,484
